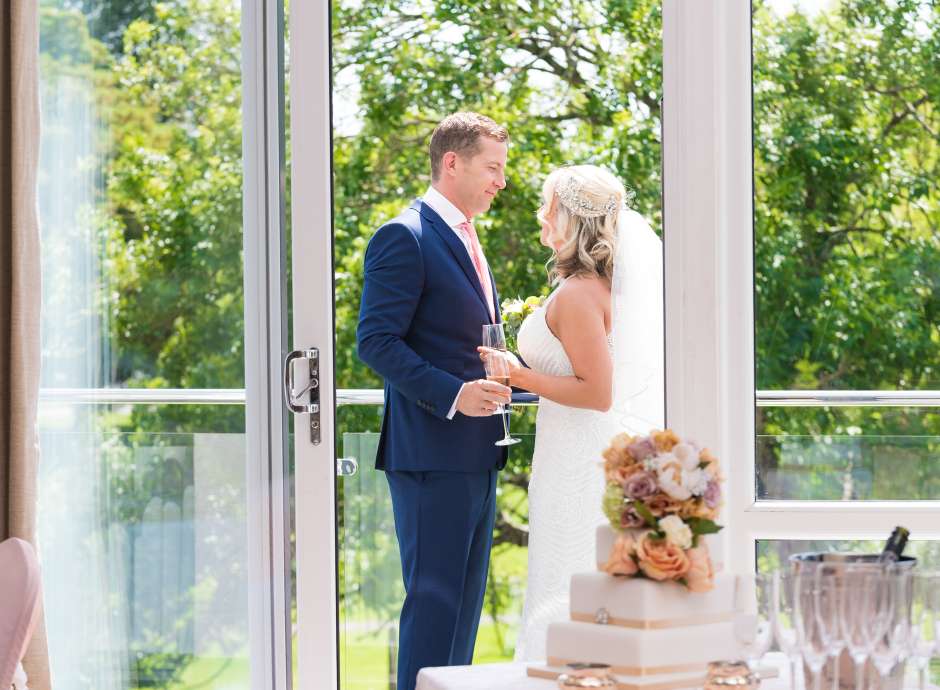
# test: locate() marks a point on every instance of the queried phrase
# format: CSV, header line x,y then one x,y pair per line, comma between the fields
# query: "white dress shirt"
x,y
453,216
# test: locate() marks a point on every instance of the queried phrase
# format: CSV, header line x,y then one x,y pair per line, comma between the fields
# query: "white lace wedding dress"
x,y
565,490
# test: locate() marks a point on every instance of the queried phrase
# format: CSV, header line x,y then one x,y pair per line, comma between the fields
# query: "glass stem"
x,y
835,669
860,675
793,671
922,676
505,415
817,679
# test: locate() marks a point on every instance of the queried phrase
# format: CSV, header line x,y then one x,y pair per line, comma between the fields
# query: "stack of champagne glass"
x,y
851,622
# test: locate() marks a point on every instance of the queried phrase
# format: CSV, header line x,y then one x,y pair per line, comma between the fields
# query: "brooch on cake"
x,y
663,495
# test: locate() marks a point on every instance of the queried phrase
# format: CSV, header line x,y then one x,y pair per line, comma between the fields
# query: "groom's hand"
x,y
481,397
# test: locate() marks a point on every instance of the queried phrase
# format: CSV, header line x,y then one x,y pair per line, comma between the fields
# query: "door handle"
x,y
292,397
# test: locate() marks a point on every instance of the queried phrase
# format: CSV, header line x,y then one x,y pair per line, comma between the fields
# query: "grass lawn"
x,y
364,657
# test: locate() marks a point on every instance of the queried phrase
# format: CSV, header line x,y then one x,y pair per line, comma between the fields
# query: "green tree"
x,y
847,248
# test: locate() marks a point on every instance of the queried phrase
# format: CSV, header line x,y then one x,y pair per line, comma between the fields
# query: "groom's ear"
x,y
449,163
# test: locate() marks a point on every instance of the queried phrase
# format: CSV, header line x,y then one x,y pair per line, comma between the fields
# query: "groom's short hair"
x,y
461,134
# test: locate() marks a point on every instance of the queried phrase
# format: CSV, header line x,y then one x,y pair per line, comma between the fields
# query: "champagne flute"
x,y
830,591
809,637
892,617
860,627
497,369
753,630
784,624
925,620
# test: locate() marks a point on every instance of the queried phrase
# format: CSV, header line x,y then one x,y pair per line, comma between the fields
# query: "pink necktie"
x,y
479,263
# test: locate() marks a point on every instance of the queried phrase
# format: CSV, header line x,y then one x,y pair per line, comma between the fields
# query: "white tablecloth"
x,y
513,677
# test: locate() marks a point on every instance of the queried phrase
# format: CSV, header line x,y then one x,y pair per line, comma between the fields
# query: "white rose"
x,y
666,459
696,481
671,484
687,454
676,531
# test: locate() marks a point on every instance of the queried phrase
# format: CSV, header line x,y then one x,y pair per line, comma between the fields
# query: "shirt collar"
x,y
443,206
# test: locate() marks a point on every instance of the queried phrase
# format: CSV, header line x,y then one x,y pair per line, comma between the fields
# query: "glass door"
x,y
161,516
368,82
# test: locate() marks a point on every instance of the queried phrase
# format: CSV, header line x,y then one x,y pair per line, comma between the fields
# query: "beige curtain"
x,y
20,288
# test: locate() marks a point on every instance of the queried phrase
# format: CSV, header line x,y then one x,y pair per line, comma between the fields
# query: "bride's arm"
x,y
578,321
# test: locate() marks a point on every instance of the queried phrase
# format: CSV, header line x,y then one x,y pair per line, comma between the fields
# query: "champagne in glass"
x,y
497,369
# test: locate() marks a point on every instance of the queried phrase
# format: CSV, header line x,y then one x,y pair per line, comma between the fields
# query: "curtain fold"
x,y
20,289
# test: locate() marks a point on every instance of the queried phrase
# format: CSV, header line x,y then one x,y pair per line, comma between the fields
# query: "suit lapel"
x,y
457,249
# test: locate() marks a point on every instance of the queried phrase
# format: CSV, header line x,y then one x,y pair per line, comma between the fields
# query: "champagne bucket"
x,y
836,563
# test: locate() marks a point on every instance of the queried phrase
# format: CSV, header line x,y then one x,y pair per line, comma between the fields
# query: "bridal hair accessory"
x,y
569,193
663,495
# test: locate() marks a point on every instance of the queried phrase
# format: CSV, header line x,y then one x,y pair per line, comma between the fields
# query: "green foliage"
x,y
847,247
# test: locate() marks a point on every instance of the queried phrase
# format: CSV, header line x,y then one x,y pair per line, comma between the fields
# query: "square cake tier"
x,y
640,603
640,652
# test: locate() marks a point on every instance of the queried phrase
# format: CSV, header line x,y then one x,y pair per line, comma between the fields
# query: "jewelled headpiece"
x,y
569,193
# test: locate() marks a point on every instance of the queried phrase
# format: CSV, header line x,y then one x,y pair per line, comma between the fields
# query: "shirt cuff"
x,y
453,408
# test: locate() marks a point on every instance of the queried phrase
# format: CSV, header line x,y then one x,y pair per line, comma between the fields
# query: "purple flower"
x,y
630,519
640,485
642,449
712,494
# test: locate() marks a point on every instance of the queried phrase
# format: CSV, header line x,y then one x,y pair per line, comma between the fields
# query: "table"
x,y
512,676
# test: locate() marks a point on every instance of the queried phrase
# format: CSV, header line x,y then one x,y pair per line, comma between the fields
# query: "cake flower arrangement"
x,y
663,494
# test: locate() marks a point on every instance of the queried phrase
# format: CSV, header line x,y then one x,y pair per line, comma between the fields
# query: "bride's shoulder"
x,y
584,288
581,294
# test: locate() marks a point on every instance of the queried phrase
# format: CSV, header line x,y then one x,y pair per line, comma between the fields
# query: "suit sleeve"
x,y
392,285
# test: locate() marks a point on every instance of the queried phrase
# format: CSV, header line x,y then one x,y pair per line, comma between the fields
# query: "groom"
x,y
426,294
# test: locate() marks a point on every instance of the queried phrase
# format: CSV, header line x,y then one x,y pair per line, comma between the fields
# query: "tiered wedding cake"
x,y
656,611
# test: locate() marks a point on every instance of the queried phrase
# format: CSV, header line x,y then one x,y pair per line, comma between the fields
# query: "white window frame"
x,y
708,221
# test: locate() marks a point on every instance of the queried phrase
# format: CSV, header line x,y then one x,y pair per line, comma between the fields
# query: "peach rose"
x,y
660,559
711,463
619,475
617,450
697,508
621,560
664,441
701,575
660,504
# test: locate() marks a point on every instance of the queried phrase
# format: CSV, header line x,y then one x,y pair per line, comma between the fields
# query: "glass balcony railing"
x,y
158,521
145,558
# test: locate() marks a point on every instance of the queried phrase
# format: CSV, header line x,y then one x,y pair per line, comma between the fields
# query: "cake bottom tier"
x,y
633,652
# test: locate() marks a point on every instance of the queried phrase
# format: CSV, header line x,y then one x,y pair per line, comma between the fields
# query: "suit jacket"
x,y
420,322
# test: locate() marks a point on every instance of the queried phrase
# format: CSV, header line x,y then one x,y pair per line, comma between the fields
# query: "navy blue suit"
x,y
419,326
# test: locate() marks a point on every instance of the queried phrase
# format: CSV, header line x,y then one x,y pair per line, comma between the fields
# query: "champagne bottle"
x,y
894,547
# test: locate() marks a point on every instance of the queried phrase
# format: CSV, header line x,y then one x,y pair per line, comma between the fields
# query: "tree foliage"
x,y
846,171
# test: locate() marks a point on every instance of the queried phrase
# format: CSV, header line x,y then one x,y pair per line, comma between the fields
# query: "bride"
x,y
594,355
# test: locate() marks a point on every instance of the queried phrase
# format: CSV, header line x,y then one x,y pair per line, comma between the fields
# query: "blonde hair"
x,y
575,200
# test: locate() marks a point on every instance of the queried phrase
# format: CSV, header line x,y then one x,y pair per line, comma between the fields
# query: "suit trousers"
x,y
444,523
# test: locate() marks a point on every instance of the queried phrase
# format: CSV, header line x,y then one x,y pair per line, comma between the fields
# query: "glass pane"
x,y
141,204
847,195
157,524
573,83
140,194
861,453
